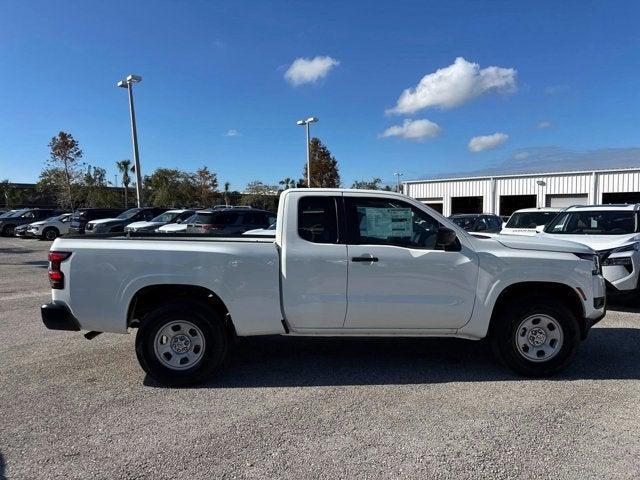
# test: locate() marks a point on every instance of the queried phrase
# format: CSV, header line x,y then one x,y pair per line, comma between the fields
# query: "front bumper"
x,y
58,316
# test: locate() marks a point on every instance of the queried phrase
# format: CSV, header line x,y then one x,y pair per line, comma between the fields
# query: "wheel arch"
x,y
563,292
150,296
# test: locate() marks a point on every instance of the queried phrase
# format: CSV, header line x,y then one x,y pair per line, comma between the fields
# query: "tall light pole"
x,y
541,185
306,124
398,175
128,84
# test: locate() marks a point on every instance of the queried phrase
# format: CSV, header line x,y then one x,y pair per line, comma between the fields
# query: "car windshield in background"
x,y
13,214
214,218
128,214
594,223
530,219
464,222
165,217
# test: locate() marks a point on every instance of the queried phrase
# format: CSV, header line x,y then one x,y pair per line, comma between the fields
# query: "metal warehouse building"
x,y
503,194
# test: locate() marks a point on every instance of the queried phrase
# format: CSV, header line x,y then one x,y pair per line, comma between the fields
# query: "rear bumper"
x,y
57,316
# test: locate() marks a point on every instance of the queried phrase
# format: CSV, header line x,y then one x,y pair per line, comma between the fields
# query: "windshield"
x,y
530,219
465,222
166,217
10,213
594,223
128,214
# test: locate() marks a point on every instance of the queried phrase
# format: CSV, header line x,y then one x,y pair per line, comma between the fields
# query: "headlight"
x,y
627,248
597,268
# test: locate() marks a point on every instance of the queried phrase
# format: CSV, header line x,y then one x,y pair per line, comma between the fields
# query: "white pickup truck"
x,y
341,263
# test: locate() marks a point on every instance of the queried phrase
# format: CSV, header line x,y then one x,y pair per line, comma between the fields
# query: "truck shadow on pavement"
x,y
275,361
2,474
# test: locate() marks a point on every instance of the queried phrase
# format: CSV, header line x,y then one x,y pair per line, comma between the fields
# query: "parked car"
x,y
51,228
21,231
176,227
343,262
478,222
230,221
529,221
82,216
117,224
613,231
168,217
23,217
270,231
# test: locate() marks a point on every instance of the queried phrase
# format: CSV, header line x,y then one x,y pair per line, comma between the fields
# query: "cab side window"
x,y
380,221
318,219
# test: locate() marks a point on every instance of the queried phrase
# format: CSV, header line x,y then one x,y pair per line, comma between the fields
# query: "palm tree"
x,y
225,192
124,166
288,183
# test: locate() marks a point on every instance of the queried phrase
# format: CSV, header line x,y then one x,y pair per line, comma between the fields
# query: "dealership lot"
x,y
295,408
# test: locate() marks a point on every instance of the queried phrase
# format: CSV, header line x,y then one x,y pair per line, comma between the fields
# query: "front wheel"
x,y
536,337
8,230
50,234
181,343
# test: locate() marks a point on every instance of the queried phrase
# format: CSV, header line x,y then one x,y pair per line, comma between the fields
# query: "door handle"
x,y
364,259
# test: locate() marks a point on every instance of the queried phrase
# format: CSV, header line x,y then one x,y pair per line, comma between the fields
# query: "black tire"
x,y
506,333
50,233
8,230
214,349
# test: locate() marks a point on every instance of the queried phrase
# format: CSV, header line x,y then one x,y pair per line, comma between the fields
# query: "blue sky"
x,y
212,67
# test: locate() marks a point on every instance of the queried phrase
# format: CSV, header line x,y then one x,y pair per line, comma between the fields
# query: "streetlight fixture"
x,y
398,175
128,84
306,124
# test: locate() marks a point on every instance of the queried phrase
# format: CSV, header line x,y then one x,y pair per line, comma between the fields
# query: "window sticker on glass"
x,y
385,222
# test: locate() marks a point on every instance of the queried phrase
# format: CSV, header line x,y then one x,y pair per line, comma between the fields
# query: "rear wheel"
x,y
8,230
181,343
536,336
50,233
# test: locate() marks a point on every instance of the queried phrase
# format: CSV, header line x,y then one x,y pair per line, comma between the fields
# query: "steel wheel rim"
x,y
539,338
179,345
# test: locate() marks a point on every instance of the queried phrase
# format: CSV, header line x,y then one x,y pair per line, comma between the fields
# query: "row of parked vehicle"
x,y
613,231
48,224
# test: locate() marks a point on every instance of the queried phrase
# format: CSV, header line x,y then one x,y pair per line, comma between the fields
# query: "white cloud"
x,y
454,85
487,142
233,133
544,125
305,70
521,155
416,130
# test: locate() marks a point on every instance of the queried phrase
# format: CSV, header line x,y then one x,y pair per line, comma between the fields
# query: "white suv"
x,y
529,221
613,231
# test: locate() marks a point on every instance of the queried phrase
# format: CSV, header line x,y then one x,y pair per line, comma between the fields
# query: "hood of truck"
x,y
597,242
541,243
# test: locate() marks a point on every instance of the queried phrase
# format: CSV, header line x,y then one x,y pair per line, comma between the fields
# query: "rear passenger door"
x,y
313,263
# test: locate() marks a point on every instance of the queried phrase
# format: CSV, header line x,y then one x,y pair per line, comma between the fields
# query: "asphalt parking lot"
x,y
306,408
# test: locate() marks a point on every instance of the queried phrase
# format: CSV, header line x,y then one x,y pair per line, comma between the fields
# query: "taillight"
x,y
56,277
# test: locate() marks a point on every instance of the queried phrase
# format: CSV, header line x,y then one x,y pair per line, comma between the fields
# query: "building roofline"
x,y
515,175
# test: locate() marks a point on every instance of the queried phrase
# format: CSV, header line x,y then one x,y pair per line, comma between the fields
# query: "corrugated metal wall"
x,y
593,184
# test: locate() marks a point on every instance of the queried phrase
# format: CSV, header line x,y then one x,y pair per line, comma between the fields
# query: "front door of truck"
x,y
398,277
313,263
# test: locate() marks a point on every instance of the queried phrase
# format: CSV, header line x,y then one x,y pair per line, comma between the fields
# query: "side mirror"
x,y
540,228
445,237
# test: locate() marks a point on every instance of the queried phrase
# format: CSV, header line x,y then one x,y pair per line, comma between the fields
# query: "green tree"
x,y
206,183
226,192
124,167
259,195
324,167
287,183
96,191
169,187
373,184
9,194
65,157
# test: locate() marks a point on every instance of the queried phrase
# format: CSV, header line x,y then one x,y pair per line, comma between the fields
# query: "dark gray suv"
x,y
22,217
230,221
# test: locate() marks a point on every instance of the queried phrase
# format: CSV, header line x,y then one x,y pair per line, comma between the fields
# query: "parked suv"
x,y
529,221
51,228
166,218
82,216
22,217
117,224
478,222
230,221
613,231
